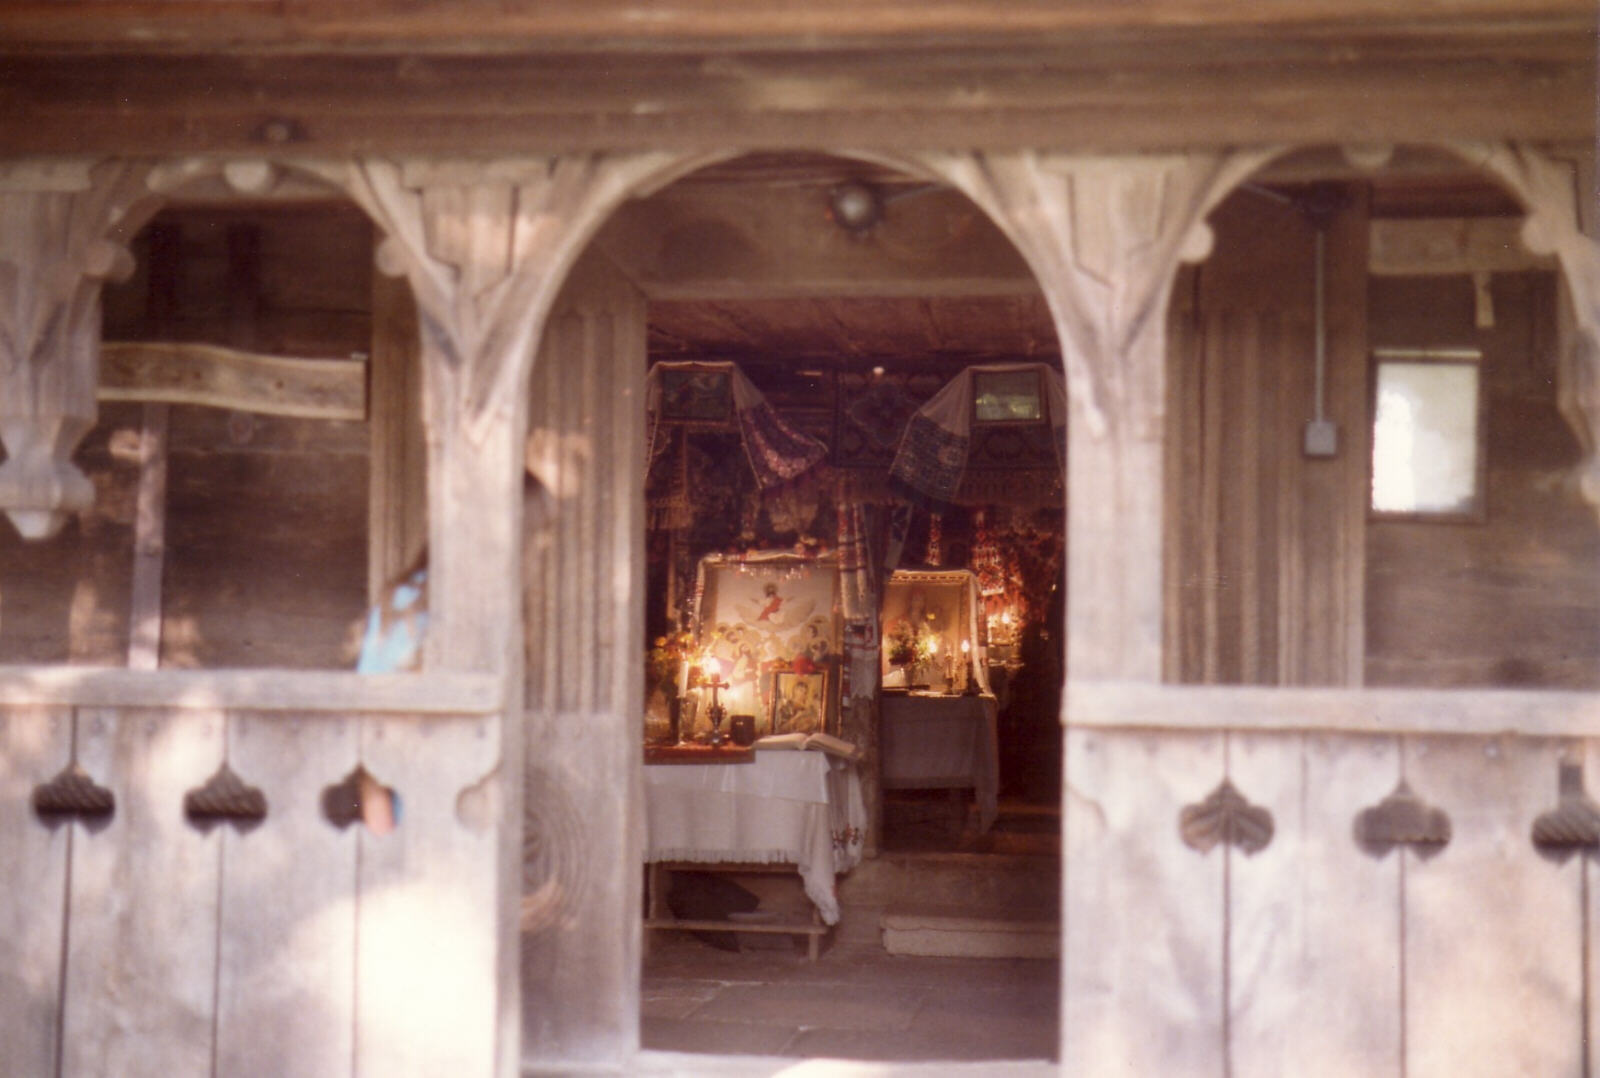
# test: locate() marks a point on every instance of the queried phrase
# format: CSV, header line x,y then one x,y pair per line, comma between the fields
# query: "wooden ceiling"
x,y
744,260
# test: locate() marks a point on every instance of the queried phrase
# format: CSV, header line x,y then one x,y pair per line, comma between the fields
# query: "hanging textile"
x,y
718,396
934,464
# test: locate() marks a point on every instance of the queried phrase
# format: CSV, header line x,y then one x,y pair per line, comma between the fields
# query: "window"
x,y
1427,445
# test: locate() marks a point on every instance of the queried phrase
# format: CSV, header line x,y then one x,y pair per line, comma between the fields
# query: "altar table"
x,y
799,807
934,741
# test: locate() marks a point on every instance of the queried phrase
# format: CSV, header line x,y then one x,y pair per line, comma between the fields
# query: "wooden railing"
x,y
1323,881
189,890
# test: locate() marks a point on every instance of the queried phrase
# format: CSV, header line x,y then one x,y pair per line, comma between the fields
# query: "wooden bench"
x,y
658,917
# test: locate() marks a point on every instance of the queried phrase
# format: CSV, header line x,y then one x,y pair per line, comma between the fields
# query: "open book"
x,y
834,746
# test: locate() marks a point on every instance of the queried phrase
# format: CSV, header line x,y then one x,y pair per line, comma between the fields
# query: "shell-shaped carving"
x,y
73,794
1402,819
225,798
1573,826
1225,816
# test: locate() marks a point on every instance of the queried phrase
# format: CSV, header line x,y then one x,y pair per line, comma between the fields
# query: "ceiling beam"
x,y
1115,92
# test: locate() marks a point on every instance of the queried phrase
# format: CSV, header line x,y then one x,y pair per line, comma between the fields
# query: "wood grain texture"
x,y
1530,712
1142,914
397,484
229,378
1314,924
584,586
324,692
142,948
35,744
1507,1001
287,946
427,919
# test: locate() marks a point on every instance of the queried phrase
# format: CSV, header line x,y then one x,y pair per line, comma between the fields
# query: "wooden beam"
x,y
182,373
1481,712
1130,93
763,24
333,693
1460,245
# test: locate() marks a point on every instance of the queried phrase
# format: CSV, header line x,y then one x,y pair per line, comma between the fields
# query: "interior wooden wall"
x,y
266,516
1513,599
1265,545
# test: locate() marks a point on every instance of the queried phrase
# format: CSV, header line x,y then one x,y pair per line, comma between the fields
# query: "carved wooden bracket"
x,y
1573,826
225,798
1551,192
1225,816
1402,819
64,226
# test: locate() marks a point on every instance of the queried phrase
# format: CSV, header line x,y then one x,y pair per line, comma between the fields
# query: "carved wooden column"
x,y
485,246
584,581
64,226
1105,237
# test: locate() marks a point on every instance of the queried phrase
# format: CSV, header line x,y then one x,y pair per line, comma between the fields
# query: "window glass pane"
x,y
1008,396
1425,438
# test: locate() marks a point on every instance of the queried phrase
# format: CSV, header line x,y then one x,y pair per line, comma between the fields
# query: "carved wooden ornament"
x,y
1402,819
225,798
1573,826
72,794
1225,816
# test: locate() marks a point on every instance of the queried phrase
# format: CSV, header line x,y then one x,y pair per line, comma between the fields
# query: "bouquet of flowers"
x,y
906,644
667,658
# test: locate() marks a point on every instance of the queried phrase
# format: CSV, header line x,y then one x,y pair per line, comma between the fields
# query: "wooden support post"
x,y
1105,237
397,486
485,247
63,227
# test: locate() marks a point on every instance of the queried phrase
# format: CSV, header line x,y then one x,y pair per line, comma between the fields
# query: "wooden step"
x,y
948,934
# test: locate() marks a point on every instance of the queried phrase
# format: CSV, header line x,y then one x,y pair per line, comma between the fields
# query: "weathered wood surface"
x,y
149,543
1532,712
1105,237
427,988
1513,600
397,483
142,908
35,744
186,373
1131,83
1442,246
1142,914
1494,934
1267,581
286,958
328,692
584,587
1314,936
64,231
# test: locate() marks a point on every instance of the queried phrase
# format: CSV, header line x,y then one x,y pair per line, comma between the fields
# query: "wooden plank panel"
x,y
1493,931
1314,923
427,913
1589,892
35,744
1141,911
286,964
142,947
228,378
585,575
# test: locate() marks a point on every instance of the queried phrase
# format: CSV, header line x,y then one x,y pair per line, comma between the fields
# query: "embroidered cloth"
x,y
776,451
934,455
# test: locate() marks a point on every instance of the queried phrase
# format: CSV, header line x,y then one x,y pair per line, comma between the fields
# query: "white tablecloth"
x,y
804,807
930,741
